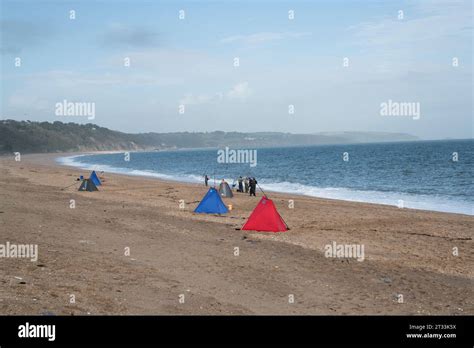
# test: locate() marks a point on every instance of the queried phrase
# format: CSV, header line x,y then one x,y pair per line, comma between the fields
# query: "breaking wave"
x,y
413,201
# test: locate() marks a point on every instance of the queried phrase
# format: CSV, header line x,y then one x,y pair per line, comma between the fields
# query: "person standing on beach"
x,y
241,187
206,179
253,186
246,184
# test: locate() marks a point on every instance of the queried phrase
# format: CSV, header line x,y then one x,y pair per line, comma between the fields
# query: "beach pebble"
x,y
85,241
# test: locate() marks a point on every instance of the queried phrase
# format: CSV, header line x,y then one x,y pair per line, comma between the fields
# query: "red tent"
x,y
265,218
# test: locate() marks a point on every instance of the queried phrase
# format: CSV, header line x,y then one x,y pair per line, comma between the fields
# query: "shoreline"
x,y
174,251
160,176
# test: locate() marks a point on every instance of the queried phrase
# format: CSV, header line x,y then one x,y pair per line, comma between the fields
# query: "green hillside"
x,y
41,137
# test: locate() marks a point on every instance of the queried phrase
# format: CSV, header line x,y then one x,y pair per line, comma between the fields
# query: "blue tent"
x,y
212,203
95,179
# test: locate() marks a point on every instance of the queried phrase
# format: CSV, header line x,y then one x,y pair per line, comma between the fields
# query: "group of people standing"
x,y
245,185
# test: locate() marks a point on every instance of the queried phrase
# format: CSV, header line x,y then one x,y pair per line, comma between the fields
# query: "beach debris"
x,y
252,241
19,278
386,279
86,241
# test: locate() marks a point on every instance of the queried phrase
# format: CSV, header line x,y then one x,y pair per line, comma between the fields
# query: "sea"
x,y
428,175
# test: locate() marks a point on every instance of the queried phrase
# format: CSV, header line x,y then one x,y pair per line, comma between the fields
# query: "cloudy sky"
x,y
391,55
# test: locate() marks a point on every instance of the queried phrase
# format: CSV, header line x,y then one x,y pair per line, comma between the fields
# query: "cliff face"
x,y
37,137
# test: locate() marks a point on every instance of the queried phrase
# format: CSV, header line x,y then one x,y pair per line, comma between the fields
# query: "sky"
x,y
333,63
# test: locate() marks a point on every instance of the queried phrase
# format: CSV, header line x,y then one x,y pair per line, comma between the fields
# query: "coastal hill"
x,y
41,137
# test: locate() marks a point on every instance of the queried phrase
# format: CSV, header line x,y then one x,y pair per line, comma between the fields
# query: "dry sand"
x,y
175,252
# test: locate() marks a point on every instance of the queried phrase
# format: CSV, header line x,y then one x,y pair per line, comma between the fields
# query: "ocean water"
x,y
421,174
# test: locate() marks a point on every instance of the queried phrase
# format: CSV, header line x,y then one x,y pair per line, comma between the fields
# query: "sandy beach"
x,y
186,263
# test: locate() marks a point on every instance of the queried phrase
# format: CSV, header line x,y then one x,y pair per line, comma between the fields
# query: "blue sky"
x,y
190,62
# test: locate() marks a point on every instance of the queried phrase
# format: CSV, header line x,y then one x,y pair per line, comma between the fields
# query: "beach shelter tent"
x,y
265,218
211,203
95,179
88,185
224,190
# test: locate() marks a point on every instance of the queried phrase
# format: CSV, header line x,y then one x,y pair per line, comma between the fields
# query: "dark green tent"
x,y
88,185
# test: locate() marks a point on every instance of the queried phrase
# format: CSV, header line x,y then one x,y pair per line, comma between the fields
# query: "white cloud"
x,y
424,25
240,92
261,37
191,99
424,42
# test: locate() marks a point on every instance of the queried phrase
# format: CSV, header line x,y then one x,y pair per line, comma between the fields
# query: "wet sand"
x,y
176,254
